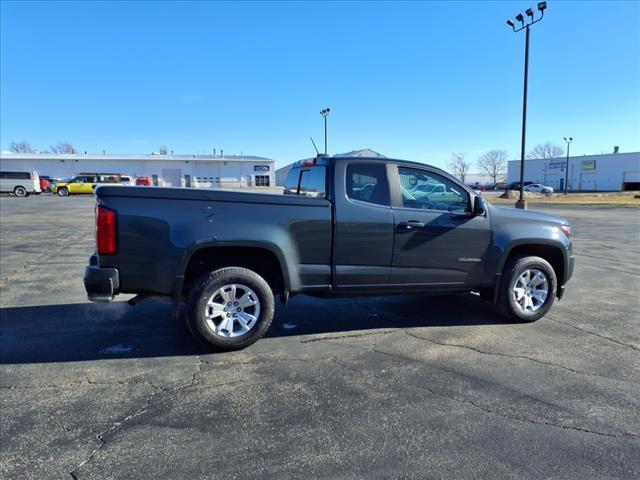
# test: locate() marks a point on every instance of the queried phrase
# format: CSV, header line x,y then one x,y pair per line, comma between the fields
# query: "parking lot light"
x,y
521,203
566,168
325,113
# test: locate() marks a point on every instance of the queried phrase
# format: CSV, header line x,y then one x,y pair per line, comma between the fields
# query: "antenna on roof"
x,y
314,145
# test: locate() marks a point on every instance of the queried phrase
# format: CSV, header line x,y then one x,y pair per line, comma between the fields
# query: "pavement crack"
x,y
354,335
140,411
194,375
591,332
113,428
86,382
521,419
508,355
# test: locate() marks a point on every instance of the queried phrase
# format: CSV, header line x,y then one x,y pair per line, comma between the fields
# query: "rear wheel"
x,y
63,192
20,191
230,308
528,289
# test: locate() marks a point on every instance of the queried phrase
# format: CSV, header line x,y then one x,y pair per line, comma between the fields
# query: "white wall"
x,y
230,172
608,174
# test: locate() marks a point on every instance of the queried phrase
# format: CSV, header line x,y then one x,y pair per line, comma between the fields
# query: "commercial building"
x,y
163,169
605,172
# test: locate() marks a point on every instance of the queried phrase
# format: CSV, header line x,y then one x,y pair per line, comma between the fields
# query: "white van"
x,y
20,183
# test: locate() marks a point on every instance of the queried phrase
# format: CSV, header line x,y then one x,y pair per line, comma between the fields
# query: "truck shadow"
x,y
81,332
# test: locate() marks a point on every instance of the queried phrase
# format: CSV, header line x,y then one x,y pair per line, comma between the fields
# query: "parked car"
x,y
21,184
516,185
143,181
82,184
46,183
539,188
500,186
229,254
126,180
78,184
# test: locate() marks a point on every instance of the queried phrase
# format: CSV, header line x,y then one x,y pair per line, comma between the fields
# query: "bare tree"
x,y
21,147
546,150
63,147
494,164
458,167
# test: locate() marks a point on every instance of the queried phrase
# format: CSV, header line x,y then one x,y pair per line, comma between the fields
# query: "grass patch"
x,y
621,199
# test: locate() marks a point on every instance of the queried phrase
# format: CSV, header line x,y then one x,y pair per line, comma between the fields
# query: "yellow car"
x,y
79,184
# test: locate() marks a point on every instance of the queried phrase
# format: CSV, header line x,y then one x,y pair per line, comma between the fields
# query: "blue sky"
x,y
411,80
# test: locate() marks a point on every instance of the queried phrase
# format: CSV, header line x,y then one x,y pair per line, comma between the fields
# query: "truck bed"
x,y
159,229
194,194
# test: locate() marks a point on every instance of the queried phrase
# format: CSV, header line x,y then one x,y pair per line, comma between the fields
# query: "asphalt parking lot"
x,y
396,387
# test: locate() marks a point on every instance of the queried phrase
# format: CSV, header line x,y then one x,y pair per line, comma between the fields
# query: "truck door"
x,y
363,230
437,240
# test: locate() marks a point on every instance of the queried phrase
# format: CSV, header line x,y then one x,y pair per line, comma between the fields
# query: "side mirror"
x,y
479,206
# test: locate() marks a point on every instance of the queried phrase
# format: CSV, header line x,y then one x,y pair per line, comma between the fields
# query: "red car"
x,y
143,181
44,184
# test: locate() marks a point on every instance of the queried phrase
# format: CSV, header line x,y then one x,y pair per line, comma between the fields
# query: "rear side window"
x,y
15,175
313,182
367,182
291,183
310,182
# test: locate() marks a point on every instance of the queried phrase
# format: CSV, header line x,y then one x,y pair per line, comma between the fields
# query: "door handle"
x,y
411,224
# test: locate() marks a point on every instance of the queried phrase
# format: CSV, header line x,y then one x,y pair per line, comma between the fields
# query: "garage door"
x,y
631,181
588,181
171,177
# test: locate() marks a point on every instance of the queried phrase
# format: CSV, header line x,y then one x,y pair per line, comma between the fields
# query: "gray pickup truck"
x,y
344,226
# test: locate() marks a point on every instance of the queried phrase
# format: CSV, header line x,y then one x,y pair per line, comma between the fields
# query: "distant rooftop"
x,y
126,156
365,152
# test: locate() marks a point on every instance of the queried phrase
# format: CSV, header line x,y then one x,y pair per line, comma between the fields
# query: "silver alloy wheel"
x,y
531,290
232,310
20,192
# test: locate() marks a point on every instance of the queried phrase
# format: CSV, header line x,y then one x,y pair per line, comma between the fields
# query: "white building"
x,y
162,169
606,172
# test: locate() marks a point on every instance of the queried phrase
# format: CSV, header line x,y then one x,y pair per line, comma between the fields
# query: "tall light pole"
x,y
566,173
325,113
524,25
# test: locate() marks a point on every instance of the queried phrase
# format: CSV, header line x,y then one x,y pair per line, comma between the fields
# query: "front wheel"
x,y
230,308
528,289
63,192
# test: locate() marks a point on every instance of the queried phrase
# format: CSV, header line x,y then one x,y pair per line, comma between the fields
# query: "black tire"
x,y
63,192
210,283
507,302
20,191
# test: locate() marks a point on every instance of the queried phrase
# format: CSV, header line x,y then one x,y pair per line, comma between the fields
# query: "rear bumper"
x,y
101,284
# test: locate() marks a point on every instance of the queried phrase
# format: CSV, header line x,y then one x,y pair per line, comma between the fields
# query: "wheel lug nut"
x,y
239,309
228,314
224,309
229,304
235,303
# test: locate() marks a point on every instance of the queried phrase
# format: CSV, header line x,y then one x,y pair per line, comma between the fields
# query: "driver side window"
x,y
430,191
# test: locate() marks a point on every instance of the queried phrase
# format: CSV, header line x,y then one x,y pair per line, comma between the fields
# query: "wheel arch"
x,y
266,260
551,252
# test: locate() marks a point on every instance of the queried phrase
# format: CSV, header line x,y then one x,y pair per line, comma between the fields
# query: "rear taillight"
x,y
105,231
